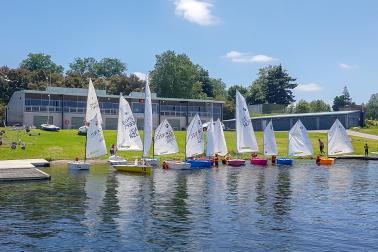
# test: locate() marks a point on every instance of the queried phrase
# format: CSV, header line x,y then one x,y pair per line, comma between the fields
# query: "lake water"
x,y
305,207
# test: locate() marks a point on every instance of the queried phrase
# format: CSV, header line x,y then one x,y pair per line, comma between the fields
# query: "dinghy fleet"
x,y
163,140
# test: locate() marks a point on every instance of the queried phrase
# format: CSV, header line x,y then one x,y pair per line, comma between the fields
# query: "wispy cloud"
x,y
141,76
347,66
196,11
240,57
310,87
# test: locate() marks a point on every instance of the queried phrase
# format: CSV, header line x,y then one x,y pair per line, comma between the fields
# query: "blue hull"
x,y
200,163
284,161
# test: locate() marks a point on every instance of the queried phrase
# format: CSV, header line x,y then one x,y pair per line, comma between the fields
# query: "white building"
x,y
67,108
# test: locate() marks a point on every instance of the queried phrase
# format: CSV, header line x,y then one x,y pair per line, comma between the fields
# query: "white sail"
x,y
245,136
128,138
299,142
270,146
220,141
165,140
93,107
210,139
194,138
147,137
338,140
96,146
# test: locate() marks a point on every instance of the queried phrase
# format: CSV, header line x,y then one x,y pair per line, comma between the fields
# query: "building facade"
x,y
312,121
65,107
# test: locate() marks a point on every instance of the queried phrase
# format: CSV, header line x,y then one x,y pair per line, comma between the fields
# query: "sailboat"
x,y
194,144
134,138
338,143
299,142
220,141
165,143
245,136
94,141
128,138
47,126
147,128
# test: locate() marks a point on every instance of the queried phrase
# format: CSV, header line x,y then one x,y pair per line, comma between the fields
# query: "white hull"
x,y
78,165
116,160
178,165
50,127
152,161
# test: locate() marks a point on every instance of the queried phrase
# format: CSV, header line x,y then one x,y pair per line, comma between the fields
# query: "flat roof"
x,y
303,115
100,93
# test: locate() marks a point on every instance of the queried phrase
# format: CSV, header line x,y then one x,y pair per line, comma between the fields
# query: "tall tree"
x,y
231,92
41,62
108,67
83,67
125,84
372,107
219,89
302,107
207,85
346,95
273,85
319,106
174,75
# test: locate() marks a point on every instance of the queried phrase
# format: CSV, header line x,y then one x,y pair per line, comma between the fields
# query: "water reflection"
x,y
305,207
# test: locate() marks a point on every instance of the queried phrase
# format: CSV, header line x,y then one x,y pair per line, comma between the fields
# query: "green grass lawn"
x,y
371,127
66,144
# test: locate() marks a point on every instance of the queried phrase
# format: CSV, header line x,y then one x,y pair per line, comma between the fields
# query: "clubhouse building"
x,y
65,107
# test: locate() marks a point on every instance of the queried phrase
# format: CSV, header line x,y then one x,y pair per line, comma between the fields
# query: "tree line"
x,y
173,75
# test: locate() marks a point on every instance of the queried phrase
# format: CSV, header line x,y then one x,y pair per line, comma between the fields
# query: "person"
x,y
318,159
321,147
112,150
216,160
77,159
366,147
165,165
274,159
253,155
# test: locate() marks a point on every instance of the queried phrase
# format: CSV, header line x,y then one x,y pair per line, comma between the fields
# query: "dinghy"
x,y
94,147
245,135
47,126
299,142
270,145
130,139
94,141
338,143
165,143
194,144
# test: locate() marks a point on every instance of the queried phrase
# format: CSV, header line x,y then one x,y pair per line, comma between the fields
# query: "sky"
x,y
324,44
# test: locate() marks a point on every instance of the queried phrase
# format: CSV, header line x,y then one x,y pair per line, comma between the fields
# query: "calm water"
x,y
261,209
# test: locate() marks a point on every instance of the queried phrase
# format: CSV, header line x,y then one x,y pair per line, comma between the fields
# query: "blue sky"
x,y
324,44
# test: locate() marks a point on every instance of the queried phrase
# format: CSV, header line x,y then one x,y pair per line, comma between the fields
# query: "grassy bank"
x,y
66,144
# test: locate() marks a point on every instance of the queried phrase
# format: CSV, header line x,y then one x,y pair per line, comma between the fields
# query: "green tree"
x,y
273,85
346,96
41,62
319,106
302,107
174,75
219,89
338,102
207,85
125,84
372,107
231,92
83,67
108,67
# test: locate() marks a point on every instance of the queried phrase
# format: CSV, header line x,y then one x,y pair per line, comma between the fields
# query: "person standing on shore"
x,y
366,147
321,147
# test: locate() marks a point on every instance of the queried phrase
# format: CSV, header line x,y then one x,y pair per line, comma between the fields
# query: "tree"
x,y
231,92
342,100
207,85
83,67
108,67
41,62
125,84
273,85
302,107
174,75
219,89
346,96
372,107
319,106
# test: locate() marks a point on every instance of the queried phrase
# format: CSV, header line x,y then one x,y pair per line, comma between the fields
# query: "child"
x,y
366,147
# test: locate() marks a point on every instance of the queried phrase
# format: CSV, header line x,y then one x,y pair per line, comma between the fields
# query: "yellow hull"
x,y
327,161
134,168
